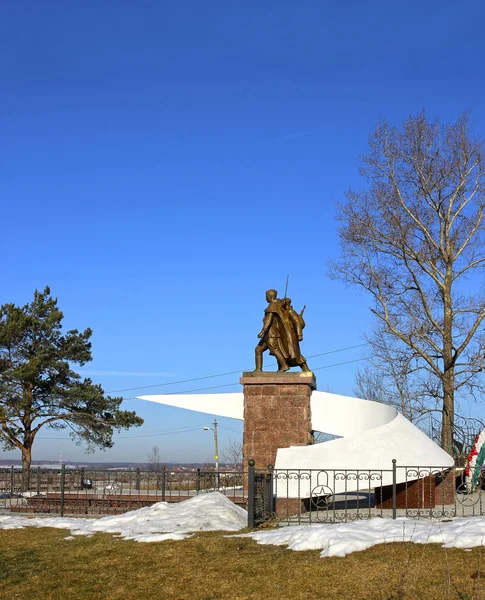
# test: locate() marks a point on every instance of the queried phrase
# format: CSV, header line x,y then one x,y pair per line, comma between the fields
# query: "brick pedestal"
x,y
418,493
276,414
428,492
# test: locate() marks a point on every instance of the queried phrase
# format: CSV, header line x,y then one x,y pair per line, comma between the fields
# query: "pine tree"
x,y
39,388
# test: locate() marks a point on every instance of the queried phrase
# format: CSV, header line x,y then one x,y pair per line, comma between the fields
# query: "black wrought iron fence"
x,y
88,492
306,496
465,429
292,496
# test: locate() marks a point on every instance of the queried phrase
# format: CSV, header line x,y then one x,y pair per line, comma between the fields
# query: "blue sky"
x,y
164,163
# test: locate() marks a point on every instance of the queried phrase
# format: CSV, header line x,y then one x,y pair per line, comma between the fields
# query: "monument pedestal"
x,y
277,414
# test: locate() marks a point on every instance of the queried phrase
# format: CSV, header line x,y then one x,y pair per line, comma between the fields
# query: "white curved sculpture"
x,y
221,405
372,434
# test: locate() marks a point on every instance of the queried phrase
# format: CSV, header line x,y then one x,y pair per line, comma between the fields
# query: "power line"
x,y
215,387
131,437
229,429
225,374
171,432
178,393
342,363
338,350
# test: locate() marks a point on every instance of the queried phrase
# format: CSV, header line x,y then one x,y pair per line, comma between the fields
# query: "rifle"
x,y
302,310
286,288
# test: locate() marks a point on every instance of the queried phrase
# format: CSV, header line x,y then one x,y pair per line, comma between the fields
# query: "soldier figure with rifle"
x,y
281,333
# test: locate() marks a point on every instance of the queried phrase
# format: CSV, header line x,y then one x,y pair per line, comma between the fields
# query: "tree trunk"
x,y
26,462
448,377
448,412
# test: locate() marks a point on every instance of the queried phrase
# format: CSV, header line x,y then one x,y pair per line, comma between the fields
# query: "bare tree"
x,y
155,463
414,239
233,453
393,377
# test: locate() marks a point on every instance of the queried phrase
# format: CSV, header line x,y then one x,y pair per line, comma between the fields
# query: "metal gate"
x,y
260,496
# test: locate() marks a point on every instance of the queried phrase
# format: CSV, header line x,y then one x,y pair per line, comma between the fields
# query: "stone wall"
x,y
277,414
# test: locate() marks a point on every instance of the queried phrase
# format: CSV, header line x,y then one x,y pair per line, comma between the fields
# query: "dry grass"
x,y
40,564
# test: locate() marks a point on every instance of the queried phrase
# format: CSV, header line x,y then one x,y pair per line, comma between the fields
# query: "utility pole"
x,y
216,448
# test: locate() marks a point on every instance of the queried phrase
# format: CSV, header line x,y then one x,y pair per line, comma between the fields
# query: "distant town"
x,y
116,466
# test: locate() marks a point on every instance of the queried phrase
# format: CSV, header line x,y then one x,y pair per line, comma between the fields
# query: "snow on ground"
x,y
214,512
162,521
342,539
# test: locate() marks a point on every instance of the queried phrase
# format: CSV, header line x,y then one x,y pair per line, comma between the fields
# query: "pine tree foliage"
x,y
38,386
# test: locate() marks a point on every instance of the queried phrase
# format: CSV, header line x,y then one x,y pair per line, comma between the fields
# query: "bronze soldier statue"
x,y
294,326
281,333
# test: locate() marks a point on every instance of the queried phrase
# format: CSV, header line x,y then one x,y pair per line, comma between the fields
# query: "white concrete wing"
x,y
221,405
372,434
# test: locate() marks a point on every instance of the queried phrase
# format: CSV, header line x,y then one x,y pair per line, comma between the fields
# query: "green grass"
x,y
39,563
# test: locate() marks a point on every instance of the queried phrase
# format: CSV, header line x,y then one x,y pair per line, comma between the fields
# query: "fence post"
x,y
251,492
137,483
38,482
197,482
12,485
63,481
164,481
271,508
394,489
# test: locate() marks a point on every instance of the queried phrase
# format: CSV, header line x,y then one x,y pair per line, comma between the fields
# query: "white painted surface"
x,y
221,405
347,416
331,413
372,435
372,449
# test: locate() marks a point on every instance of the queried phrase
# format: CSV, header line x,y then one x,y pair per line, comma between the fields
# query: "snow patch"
x,y
214,512
162,521
342,539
